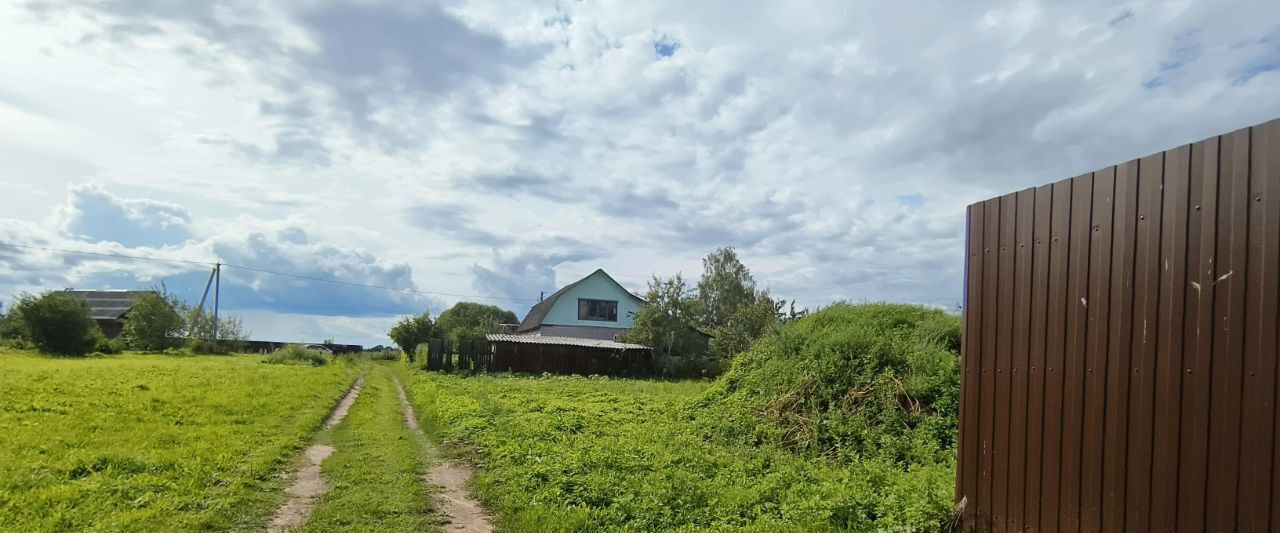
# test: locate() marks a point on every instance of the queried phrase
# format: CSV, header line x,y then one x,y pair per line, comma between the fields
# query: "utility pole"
x,y
199,314
217,289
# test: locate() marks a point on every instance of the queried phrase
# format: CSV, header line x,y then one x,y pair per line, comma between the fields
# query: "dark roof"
x,y
564,341
539,312
108,305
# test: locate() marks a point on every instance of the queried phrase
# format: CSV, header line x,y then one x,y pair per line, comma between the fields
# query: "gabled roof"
x,y
539,312
107,305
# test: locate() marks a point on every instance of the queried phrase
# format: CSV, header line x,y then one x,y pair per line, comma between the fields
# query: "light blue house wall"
x,y
597,286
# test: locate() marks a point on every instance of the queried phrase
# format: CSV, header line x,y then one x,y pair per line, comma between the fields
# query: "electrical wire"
x,y
263,271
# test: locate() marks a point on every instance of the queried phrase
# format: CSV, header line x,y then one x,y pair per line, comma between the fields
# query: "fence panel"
x,y
1119,366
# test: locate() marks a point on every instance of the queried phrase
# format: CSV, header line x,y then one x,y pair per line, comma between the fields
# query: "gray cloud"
x,y
453,221
525,273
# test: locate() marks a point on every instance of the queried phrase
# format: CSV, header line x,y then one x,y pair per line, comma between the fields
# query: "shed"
x,y
108,308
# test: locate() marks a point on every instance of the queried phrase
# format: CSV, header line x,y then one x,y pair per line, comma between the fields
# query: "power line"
x,y
263,271
104,254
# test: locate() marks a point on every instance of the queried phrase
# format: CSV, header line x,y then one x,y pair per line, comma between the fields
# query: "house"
x,y
108,308
594,307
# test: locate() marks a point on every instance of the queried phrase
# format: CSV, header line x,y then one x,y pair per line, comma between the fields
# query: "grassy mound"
x,y
849,383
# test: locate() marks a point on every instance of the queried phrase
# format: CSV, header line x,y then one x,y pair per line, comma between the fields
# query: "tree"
x,y
470,320
11,326
748,323
58,323
155,321
411,331
726,286
667,321
230,330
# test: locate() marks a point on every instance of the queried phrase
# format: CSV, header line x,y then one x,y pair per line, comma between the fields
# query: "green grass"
x,y
579,454
375,473
152,442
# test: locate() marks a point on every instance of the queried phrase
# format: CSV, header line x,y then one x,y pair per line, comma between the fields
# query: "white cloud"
x,y
506,147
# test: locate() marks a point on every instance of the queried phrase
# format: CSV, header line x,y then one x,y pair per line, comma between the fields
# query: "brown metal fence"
x,y
1119,357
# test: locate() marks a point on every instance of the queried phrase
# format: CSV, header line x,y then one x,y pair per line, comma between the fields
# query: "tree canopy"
x,y
470,320
155,322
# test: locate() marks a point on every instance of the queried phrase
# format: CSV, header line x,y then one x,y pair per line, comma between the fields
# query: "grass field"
x,y
153,443
585,454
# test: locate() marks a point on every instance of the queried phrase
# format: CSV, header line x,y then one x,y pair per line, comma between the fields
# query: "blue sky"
x,y
496,149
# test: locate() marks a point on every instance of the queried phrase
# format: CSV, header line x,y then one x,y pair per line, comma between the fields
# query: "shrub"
x,y
295,354
58,323
105,346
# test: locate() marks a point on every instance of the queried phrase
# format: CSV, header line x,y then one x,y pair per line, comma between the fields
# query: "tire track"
x,y
308,484
464,513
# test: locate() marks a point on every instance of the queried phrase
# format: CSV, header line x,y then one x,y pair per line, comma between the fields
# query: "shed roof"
x,y
107,305
539,312
564,341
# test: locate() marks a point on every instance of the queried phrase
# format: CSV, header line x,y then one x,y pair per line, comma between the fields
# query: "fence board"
x,y
1037,359
1173,292
1120,364
1004,345
1119,344
1145,330
968,450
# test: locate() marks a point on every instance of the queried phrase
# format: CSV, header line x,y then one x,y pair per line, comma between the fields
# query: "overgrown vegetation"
x,y
145,443
296,354
841,421
850,383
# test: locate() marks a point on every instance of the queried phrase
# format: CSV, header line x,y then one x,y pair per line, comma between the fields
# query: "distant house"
x,y
109,308
594,307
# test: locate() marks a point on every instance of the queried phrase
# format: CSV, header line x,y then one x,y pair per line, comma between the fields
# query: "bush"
x,y
58,323
295,354
105,346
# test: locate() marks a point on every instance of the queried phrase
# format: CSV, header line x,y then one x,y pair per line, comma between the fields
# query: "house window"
x,y
602,310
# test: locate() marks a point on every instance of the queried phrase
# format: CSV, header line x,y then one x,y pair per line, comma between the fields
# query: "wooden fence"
x,y
1119,354
535,358
464,355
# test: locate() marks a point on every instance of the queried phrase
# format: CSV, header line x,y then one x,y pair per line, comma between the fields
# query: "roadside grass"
x,y
574,454
376,471
152,442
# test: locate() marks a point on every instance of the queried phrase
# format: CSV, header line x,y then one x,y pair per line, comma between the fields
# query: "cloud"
x,y
496,144
453,221
254,250
93,214
523,274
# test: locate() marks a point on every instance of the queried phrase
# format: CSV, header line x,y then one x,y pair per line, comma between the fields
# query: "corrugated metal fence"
x,y
1119,358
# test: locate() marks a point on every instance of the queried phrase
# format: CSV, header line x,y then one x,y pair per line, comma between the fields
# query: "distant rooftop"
x,y
108,304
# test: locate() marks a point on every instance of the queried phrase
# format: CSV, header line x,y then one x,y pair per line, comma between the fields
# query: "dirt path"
x,y
464,514
308,484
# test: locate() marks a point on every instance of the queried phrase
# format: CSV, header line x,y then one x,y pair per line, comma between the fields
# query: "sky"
x,y
491,150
